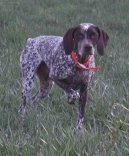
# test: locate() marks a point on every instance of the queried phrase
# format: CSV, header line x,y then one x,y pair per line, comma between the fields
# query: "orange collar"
x,y
85,65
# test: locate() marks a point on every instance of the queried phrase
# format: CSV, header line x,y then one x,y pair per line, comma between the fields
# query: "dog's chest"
x,y
64,67
78,79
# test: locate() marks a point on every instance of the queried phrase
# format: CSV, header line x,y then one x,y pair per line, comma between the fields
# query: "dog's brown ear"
x,y
68,40
102,41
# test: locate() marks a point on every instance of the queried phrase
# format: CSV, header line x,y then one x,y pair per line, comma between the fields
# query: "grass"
x,y
49,131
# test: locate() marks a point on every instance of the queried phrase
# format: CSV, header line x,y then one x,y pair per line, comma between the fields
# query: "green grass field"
x,y
49,131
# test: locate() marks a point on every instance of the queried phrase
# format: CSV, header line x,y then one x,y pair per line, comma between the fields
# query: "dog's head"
x,y
83,39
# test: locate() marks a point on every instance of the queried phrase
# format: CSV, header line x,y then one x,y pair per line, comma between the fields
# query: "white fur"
x,y
85,26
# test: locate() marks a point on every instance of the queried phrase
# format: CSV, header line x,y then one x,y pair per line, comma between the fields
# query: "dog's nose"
x,y
88,48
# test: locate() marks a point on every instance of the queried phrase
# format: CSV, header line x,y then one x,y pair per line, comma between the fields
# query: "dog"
x,y
67,61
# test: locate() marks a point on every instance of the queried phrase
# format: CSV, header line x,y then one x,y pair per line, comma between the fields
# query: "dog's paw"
x,y
21,111
79,124
73,97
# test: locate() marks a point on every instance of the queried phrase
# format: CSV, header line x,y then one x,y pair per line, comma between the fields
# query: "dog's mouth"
x,y
84,65
85,56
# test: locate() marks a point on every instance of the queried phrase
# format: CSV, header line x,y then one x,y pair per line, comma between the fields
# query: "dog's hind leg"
x,y
28,75
27,85
29,60
45,87
45,84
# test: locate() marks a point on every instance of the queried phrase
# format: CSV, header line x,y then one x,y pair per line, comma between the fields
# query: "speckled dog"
x,y
49,58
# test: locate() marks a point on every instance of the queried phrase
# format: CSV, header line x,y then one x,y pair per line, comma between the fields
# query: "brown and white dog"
x,y
51,59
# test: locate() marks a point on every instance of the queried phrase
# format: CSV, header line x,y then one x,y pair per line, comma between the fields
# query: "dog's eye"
x,y
93,36
80,36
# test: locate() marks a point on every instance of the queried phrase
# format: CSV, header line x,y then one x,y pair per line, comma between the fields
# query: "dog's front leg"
x,y
73,95
82,103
